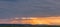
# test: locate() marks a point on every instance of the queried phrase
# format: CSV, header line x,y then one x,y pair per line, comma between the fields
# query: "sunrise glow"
x,y
37,20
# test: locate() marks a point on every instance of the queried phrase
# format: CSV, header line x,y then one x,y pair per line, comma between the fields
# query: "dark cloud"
x,y
29,8
9,0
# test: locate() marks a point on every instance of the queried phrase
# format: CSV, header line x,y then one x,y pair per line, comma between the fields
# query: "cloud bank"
x,y
19,8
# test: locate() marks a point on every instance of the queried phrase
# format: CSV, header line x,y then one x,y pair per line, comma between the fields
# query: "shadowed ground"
x,y
26,25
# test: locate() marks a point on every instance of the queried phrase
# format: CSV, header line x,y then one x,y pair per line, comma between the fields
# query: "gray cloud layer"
x,y
13,8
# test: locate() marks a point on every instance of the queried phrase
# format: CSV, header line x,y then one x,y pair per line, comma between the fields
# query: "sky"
x,y
29,8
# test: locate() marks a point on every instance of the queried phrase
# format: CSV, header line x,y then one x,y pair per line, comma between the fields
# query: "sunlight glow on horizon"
x,y
38,20
33,20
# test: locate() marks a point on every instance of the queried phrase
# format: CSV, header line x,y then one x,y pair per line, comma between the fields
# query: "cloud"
x,y
28,8
9,0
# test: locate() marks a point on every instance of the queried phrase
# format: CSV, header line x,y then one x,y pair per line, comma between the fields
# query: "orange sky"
x,y
38,20
34,20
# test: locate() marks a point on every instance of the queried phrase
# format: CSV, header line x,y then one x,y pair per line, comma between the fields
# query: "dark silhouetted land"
x,y
26,25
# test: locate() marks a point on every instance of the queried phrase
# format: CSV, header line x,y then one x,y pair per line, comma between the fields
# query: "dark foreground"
x,y
26,25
